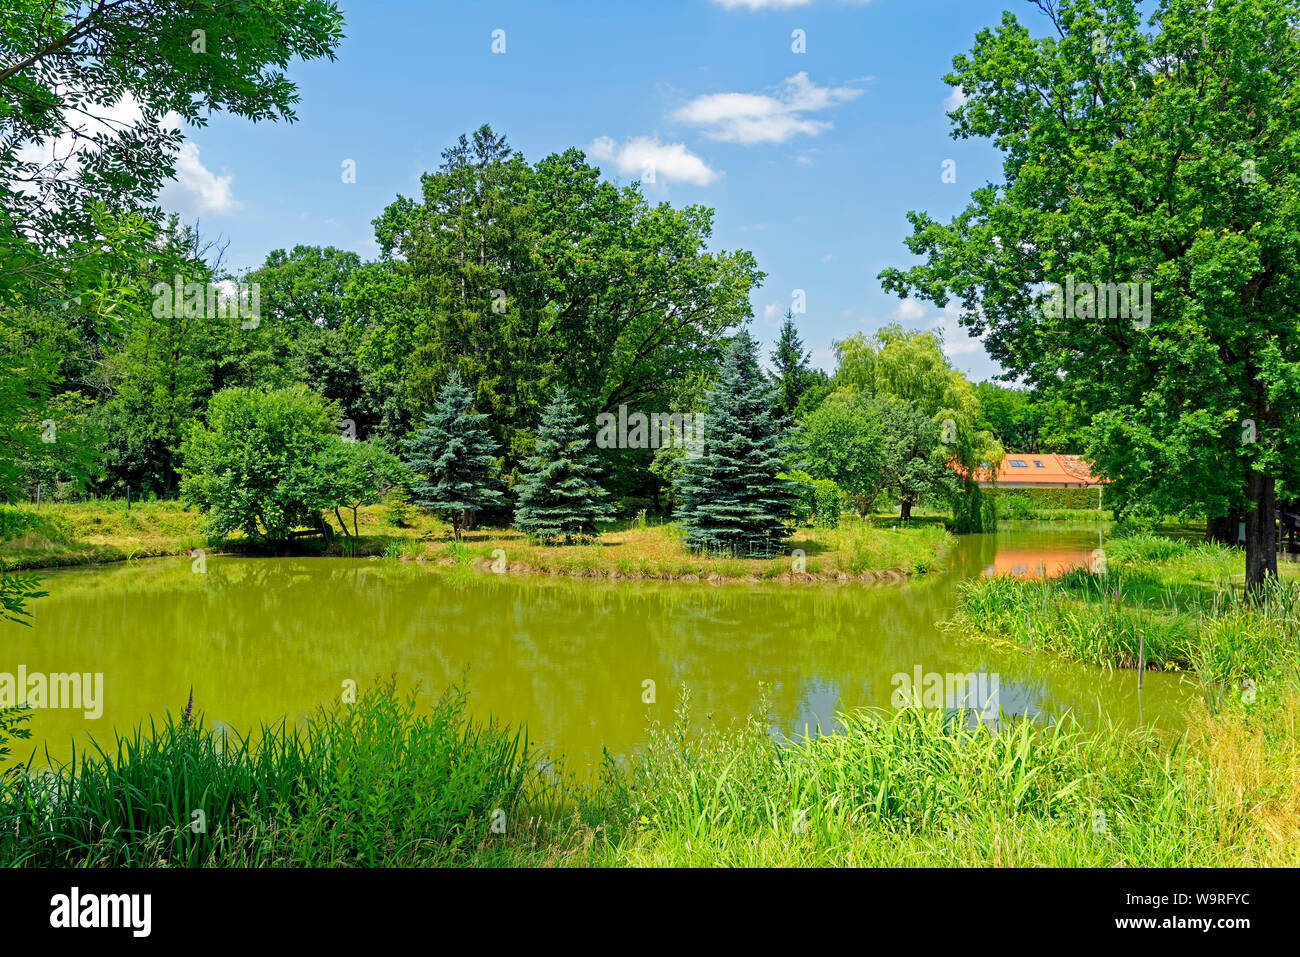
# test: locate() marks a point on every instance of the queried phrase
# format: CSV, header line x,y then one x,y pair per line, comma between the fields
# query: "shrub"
x,y
827,503
253,465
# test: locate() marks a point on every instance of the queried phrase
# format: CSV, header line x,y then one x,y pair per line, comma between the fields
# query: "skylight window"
x,y
1039,464
1019,464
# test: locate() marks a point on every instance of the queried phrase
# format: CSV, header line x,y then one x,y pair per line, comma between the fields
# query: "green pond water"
x,y
259,639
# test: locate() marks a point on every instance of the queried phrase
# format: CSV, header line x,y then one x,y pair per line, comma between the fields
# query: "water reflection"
x,y
259,639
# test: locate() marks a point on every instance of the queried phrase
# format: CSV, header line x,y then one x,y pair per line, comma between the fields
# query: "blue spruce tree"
x,y
559,499
728,495
454,459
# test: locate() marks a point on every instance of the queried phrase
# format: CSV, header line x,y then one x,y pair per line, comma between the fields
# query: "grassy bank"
x,y
391,780
1159,601
387,782
378,783
72,534
93,532
914,789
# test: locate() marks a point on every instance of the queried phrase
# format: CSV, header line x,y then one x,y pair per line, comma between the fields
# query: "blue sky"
x,y
811,160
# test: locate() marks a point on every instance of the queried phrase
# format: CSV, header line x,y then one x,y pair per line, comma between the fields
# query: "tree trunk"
x,y
1261,531
467,519
905,513
1225,529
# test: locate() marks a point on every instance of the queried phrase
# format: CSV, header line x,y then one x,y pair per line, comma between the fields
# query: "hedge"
x,y
1047,498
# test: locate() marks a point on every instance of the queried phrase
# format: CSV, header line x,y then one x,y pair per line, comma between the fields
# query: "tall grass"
x,y
380,781
1161,601
919,788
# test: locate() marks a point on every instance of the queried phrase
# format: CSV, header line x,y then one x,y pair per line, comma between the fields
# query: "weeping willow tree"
x,y
930,412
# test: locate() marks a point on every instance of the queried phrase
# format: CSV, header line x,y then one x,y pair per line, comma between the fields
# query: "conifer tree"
x,y
559,498
454,459
728,494
792,372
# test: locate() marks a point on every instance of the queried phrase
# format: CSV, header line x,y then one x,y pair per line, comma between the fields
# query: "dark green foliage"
x,y
792,374
1034,499
355,474
1153,145
256,464
66,67
845,443
916,461
729,497
453,458
818,386
972,510
818,502
397,508
827,503
13,727
15,592
523,276
1025,421
559,498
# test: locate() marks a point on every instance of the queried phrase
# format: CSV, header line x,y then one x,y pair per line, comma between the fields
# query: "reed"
x,y
379,781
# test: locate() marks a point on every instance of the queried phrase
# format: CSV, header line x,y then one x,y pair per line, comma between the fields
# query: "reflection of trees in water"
x,y
569,656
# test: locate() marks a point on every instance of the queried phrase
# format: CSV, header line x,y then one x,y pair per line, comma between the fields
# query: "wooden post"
x,y
38,494
128,498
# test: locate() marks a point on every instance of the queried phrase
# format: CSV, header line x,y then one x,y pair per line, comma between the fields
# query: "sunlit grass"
x,y
62,534
389,782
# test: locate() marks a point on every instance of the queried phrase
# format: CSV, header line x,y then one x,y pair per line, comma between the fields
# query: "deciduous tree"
x,y
1160,153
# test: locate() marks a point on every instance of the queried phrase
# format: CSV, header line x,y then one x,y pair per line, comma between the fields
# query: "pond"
x,y
260,638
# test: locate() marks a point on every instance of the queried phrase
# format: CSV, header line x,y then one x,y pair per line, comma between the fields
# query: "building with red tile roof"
x,y
1040,470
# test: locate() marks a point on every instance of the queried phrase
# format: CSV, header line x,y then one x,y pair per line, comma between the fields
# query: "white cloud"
x,y
196,190
957,97
910,310
773,311
956,340
653,161
762,118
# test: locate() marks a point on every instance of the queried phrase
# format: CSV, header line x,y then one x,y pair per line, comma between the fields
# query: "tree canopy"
x,y
1155,159
524,276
